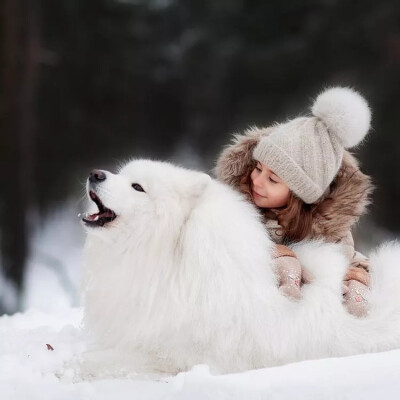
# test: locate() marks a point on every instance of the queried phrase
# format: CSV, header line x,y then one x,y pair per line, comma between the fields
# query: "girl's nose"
x,y
257,181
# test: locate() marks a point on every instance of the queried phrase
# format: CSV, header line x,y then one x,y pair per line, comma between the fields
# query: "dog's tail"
x,y
380,329
385,280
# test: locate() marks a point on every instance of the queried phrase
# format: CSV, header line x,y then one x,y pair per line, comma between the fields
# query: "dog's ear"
x,y
200,184
190,185
194,185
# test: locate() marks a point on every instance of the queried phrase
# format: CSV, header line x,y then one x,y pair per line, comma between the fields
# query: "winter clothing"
x,y
355,296
306,152
340,207
289,272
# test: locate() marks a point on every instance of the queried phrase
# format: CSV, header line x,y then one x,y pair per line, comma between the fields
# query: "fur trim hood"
x,y
346,199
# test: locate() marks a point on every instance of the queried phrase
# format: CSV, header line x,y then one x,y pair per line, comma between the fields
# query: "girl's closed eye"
x,y
271,180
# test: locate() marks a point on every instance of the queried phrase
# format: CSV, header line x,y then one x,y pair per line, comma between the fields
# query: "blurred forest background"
x,y
88,83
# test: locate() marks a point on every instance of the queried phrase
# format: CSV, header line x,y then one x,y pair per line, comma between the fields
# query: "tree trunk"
x,y
20,67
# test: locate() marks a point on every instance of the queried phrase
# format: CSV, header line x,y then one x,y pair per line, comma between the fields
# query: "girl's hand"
x,y
355,298
357,274
289,272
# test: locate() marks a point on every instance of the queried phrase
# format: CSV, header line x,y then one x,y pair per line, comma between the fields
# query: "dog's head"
x,y
142,195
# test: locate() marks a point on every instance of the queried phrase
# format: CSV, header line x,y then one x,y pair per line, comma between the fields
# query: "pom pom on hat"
x,y
345,113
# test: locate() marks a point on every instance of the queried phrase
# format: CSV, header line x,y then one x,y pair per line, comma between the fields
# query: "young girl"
x,y
307,186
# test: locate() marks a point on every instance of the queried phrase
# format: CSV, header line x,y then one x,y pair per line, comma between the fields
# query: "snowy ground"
x,y
30,370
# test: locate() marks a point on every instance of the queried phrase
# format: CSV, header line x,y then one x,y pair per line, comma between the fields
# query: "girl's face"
x,y
267,189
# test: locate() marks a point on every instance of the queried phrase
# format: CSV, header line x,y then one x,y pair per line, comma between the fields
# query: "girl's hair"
x,y
295,218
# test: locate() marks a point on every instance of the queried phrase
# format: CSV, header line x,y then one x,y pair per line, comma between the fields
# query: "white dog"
x,y
179,273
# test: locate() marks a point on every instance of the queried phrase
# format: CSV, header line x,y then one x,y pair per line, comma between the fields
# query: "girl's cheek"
x,y
253,176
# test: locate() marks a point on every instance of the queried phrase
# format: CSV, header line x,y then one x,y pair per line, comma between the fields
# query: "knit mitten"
x,y
288,272
355,298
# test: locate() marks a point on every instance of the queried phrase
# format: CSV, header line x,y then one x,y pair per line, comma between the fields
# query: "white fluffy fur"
x,y
346,114
184,276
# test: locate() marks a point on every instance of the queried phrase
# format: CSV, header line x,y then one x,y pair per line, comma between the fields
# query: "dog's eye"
x,y
137,187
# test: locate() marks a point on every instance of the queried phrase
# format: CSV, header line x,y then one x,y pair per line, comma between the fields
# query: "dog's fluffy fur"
x,y
184,276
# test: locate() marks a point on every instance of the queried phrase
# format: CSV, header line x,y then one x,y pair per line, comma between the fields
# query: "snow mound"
x,y
36,362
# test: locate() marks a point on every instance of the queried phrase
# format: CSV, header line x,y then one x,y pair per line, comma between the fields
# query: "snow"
x,y
54,266
29,370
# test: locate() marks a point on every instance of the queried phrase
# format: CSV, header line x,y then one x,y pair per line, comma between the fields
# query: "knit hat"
x,y
306,152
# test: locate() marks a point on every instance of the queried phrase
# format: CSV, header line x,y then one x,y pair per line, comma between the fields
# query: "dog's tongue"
x,y
100,218
95,217
92,217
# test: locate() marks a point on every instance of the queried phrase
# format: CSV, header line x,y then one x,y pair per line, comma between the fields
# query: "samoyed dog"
x,y
179,272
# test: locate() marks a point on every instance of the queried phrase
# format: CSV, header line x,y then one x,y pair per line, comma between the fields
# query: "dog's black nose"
x,y
97,176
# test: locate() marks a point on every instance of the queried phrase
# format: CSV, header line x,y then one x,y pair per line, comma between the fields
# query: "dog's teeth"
x,y
96,218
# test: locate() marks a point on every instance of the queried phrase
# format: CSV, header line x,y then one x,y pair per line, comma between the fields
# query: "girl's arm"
x,y
358,263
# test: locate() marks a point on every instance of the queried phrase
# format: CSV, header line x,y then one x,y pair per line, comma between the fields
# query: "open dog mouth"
x,y
104,215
